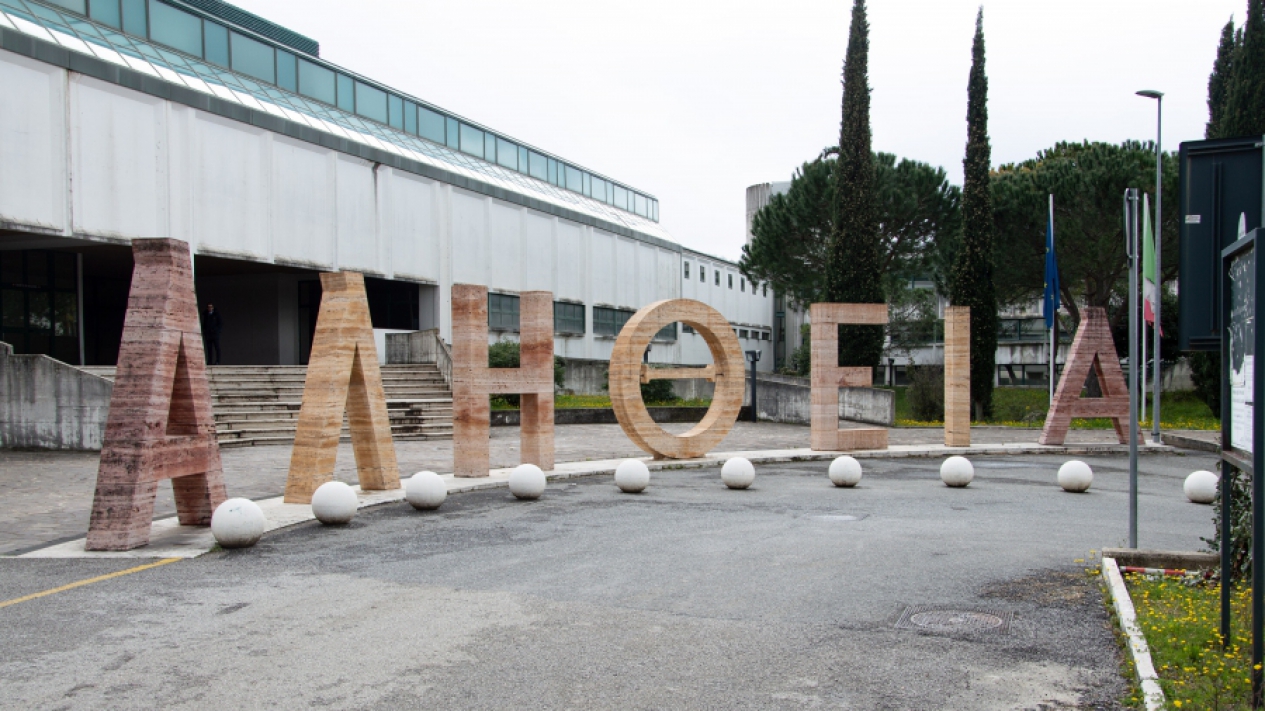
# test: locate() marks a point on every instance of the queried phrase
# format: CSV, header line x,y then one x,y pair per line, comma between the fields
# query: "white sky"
x,y
694,101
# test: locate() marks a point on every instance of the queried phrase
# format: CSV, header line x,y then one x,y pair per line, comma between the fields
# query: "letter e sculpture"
x,y
1094,347
957,376
473,381
160,424
342,375
828,377
628,372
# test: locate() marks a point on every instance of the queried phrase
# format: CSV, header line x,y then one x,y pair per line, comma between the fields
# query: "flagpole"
x,y
1159,272
1054,327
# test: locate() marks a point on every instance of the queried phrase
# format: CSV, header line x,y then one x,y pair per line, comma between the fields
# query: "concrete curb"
x,y
1152,694
168,539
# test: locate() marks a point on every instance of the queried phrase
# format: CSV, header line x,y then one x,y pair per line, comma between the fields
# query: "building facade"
x,y
196,120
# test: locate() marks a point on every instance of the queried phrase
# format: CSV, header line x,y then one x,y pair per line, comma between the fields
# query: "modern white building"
x,y
196,120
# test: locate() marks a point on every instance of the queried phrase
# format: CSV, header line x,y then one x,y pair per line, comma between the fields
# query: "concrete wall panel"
x,y
572,261
408,224
33,179
304,208
469,238
505,246
537,266
231,188
357,214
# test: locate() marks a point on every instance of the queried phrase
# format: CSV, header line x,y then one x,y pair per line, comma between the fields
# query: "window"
x,y
471,140
106,12
702,273
410,117
537,166
287,76
346,93
215,48
253,58
506,153
687,270
667,333
430,125
489,148
371,102
716,273
502,312
522,159
639,204
175,28
744,333
600,188
135,21
395,109
553,171
608,322
452,131
766,290
393,304
621,198
575,180
731,280
742,284
686,328
567,317
764,335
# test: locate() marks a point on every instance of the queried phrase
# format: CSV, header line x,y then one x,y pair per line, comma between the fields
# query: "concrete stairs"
x,y
260,404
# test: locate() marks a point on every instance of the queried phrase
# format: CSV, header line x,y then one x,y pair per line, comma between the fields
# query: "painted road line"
x,y
89,581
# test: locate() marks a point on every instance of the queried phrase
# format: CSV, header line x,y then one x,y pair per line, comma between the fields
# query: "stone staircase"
x,y
259,404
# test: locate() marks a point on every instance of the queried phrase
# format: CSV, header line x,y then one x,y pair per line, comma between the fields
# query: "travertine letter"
x,y
828,377
957,376
473,381
627,373
160,424
342,374
1093,346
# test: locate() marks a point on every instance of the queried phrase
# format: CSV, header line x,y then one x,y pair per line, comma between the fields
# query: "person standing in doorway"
x,y
212,324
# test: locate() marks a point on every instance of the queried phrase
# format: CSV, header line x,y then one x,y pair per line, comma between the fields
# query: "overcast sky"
x,y
694,101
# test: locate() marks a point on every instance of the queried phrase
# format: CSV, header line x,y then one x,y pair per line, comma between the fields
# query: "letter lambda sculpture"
x,y
957,376
828,376
160,424
473,381
1094,347
628,372
342,375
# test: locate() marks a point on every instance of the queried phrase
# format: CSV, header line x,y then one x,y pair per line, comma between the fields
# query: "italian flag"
x,y
1150,285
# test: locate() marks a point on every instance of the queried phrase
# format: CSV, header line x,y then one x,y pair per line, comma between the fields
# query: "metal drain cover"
x,y
940,619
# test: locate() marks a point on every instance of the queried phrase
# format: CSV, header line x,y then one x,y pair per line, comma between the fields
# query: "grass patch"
x,y
570,402
1181,622
1027,407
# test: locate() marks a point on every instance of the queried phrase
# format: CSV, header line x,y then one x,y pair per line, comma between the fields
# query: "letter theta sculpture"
x,y
628,372
342,375
473,381
1094,347
828,376
957,376
160,424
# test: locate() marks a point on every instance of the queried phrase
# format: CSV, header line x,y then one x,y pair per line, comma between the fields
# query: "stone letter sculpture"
x,y
828,376
160,424
1092,346
627,373
957,376
473,381
342,374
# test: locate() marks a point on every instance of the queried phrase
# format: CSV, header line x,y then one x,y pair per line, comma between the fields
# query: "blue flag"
x,y
1050,300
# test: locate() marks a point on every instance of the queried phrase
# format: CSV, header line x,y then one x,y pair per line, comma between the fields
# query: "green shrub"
x,y
506,354
926,392
1205,373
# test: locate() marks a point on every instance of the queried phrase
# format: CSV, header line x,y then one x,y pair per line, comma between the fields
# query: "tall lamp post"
x,y
1159,273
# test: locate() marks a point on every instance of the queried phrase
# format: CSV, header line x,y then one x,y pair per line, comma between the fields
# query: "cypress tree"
x,y
1244,109
971,277
853,261
1219,81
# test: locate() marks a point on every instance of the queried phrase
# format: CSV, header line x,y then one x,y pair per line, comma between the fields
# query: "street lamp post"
x,y
1159,273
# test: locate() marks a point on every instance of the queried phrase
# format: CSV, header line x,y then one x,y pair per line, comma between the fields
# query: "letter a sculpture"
x,y
1094,347
342,374
957,376
160,424
473,381
828,377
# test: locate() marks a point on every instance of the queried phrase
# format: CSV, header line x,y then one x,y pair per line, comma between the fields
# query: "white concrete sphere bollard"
x,y
238,523
957,472
527,481
738,473
425,491
632,476
1201,487
1075,476
334,503
845,471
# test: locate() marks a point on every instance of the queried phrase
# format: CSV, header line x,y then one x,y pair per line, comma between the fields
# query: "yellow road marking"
x,y
89,581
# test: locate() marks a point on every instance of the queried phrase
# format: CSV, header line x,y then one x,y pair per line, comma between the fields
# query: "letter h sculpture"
x,y
473,381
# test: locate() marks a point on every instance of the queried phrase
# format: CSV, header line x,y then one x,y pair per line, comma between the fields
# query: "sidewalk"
x,y
48,495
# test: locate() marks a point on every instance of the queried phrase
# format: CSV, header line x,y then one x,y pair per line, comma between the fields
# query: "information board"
x,y
1241,330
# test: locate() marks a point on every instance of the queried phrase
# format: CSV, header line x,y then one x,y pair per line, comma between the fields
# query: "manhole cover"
x,y
939,619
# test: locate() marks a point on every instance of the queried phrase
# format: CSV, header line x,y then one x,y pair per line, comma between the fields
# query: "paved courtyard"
x,y
898,594
48,495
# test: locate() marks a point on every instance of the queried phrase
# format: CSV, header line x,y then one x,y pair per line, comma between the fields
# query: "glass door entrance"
x,y
39,303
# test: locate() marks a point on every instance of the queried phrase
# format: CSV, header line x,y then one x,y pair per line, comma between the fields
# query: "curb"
x,y
1152,694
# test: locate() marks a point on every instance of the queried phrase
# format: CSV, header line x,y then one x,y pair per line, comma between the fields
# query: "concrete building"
x,y
196,120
